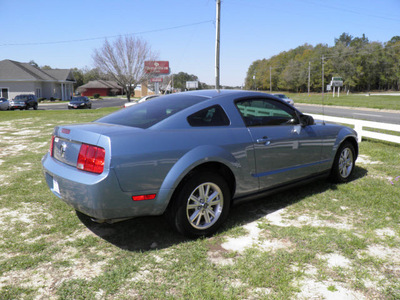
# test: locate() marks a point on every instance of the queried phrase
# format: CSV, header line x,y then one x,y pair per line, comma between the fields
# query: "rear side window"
x,y
211,116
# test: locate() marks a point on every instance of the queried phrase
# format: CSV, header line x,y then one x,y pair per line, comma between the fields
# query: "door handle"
x,y
264,141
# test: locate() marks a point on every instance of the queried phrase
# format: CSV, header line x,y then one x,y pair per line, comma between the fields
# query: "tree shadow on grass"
x,y
151,233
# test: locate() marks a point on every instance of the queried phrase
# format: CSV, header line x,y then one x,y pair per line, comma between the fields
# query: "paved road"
x,y
375,115
345,112
107,102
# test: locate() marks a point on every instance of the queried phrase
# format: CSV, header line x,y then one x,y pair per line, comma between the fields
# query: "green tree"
x,y
33,63
364,66
181,78
344,39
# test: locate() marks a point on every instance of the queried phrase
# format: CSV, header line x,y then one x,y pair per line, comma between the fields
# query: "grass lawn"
x,y
351,100
317,241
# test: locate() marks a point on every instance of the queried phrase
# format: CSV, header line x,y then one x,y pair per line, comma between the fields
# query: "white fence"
x,y
360,125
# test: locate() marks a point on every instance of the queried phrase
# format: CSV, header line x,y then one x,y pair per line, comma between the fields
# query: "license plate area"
x,y
56,187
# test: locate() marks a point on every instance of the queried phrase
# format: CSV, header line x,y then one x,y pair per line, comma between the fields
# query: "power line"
x,y
353,11
105,37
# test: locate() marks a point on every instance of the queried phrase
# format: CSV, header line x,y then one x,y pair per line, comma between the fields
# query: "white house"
x,y
24,78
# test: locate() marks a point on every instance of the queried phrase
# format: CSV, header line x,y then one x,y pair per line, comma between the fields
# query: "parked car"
x,y
4,104
80,102
143,99
191,156
284,98
24,101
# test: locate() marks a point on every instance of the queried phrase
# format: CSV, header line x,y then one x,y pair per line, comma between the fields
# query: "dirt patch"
x,y
335,260
366,160
385,253
25,214
254,238
385,232
277,218
329,290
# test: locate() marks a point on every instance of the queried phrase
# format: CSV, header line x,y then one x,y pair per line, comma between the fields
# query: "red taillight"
x,y
52,145
144,197
91,159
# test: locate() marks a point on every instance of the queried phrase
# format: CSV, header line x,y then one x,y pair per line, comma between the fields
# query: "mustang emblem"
x,y
63,148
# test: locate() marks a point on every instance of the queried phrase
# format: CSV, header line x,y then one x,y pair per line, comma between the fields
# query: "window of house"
x,y
4,93
211,116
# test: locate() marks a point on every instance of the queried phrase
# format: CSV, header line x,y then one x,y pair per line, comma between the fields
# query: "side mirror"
x,y
306,120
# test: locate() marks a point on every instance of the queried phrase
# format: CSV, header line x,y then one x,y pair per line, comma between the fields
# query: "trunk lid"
x,y
68,139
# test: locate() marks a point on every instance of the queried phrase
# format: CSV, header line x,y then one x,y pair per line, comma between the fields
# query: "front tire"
x,y
201,205
344,163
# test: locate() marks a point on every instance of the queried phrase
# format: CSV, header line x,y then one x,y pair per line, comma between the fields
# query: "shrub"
x,y
96,96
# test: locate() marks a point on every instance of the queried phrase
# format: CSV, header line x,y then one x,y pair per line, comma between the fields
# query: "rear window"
x,y
149,113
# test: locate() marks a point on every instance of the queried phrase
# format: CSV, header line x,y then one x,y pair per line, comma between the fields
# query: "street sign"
x,y
156,79
337,81
156,67
192,84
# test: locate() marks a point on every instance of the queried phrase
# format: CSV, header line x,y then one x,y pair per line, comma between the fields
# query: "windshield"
x,y
77,99
21,97
148,113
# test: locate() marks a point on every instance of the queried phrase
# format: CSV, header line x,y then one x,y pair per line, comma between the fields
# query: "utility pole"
x,y
217,45
323,89
309,76
270,79
323,83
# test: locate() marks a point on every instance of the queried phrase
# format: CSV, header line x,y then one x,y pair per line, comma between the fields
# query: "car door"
x,y
284,150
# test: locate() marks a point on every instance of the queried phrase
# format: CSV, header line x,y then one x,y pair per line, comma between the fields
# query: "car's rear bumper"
x,y
17,106
98,196
76,107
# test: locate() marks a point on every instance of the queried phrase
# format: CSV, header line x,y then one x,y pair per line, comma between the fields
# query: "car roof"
x,y
219,93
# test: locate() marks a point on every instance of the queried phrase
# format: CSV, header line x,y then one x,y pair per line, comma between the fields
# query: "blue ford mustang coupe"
x,y
192,155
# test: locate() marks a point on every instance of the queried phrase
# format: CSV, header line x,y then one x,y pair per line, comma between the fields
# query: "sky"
x,y
64,34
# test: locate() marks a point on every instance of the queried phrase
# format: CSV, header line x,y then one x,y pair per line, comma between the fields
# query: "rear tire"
x,y
201,205
343,164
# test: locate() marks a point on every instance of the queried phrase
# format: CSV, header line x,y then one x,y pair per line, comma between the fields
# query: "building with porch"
x,y
23,78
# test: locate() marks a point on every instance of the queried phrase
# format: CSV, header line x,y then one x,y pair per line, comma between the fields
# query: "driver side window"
x,y
266,112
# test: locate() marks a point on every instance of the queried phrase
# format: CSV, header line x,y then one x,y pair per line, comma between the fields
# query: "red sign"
x,y
157,79
158,67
